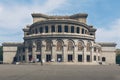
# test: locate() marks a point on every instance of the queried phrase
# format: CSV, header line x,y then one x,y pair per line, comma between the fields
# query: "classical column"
x,y
49,29
75,29
21,54
53,52
91,54
69,28
63,28
74,53
85,51
97,55
43,51
56,28
84,54
33,52
26,54
43,27
80,30
64,53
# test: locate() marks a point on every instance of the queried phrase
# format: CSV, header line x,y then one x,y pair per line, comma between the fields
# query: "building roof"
x,y
112,44
79,15
12,43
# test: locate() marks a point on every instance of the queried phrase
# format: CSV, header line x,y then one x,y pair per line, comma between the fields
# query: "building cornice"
x,y
111,44
79,15
11,44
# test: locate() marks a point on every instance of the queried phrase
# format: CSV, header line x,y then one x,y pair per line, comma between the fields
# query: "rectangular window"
x,y
46,29
83,31
66,28
72,29
59,28
78,30
41,30
53,28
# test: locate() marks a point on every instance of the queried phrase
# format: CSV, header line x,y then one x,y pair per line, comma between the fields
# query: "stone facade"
x,y
65,39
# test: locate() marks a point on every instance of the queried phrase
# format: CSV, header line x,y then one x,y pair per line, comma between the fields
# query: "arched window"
x,y
38,45
72,29
48,45
80,46
59,46
70,45
88,46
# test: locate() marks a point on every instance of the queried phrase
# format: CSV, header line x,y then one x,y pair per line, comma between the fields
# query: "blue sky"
x,y
102,14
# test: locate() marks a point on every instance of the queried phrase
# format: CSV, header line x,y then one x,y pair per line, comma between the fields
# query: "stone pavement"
x,y
59,72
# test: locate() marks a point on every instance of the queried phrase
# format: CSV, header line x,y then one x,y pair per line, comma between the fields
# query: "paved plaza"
x,y
59,72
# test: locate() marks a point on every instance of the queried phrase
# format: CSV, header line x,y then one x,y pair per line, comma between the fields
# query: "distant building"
x,y
65,39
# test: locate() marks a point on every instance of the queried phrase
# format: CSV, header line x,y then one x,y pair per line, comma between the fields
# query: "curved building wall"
x,y
59,39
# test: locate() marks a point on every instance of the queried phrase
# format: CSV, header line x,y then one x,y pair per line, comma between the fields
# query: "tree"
x,y
1,53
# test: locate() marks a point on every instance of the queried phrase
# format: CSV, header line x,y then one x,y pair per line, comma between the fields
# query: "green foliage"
x,y
1,53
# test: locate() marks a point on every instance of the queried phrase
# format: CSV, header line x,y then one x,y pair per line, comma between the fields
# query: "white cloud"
x,y
14,16
110,34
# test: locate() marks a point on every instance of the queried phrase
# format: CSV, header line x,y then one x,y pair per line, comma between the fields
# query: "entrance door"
x,y
79,58
38,57
88,58
59,57
48,57
30,57
70,58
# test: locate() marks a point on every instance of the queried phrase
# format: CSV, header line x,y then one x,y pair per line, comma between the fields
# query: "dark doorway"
x,y
94,58
15,59
88,58
30,57
48,57
103,59
59,57
38,57
70,58
79,58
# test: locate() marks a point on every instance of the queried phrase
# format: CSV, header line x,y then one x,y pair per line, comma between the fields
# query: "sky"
x,y
104,15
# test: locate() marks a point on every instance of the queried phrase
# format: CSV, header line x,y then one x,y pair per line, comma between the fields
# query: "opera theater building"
x,y
59,39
